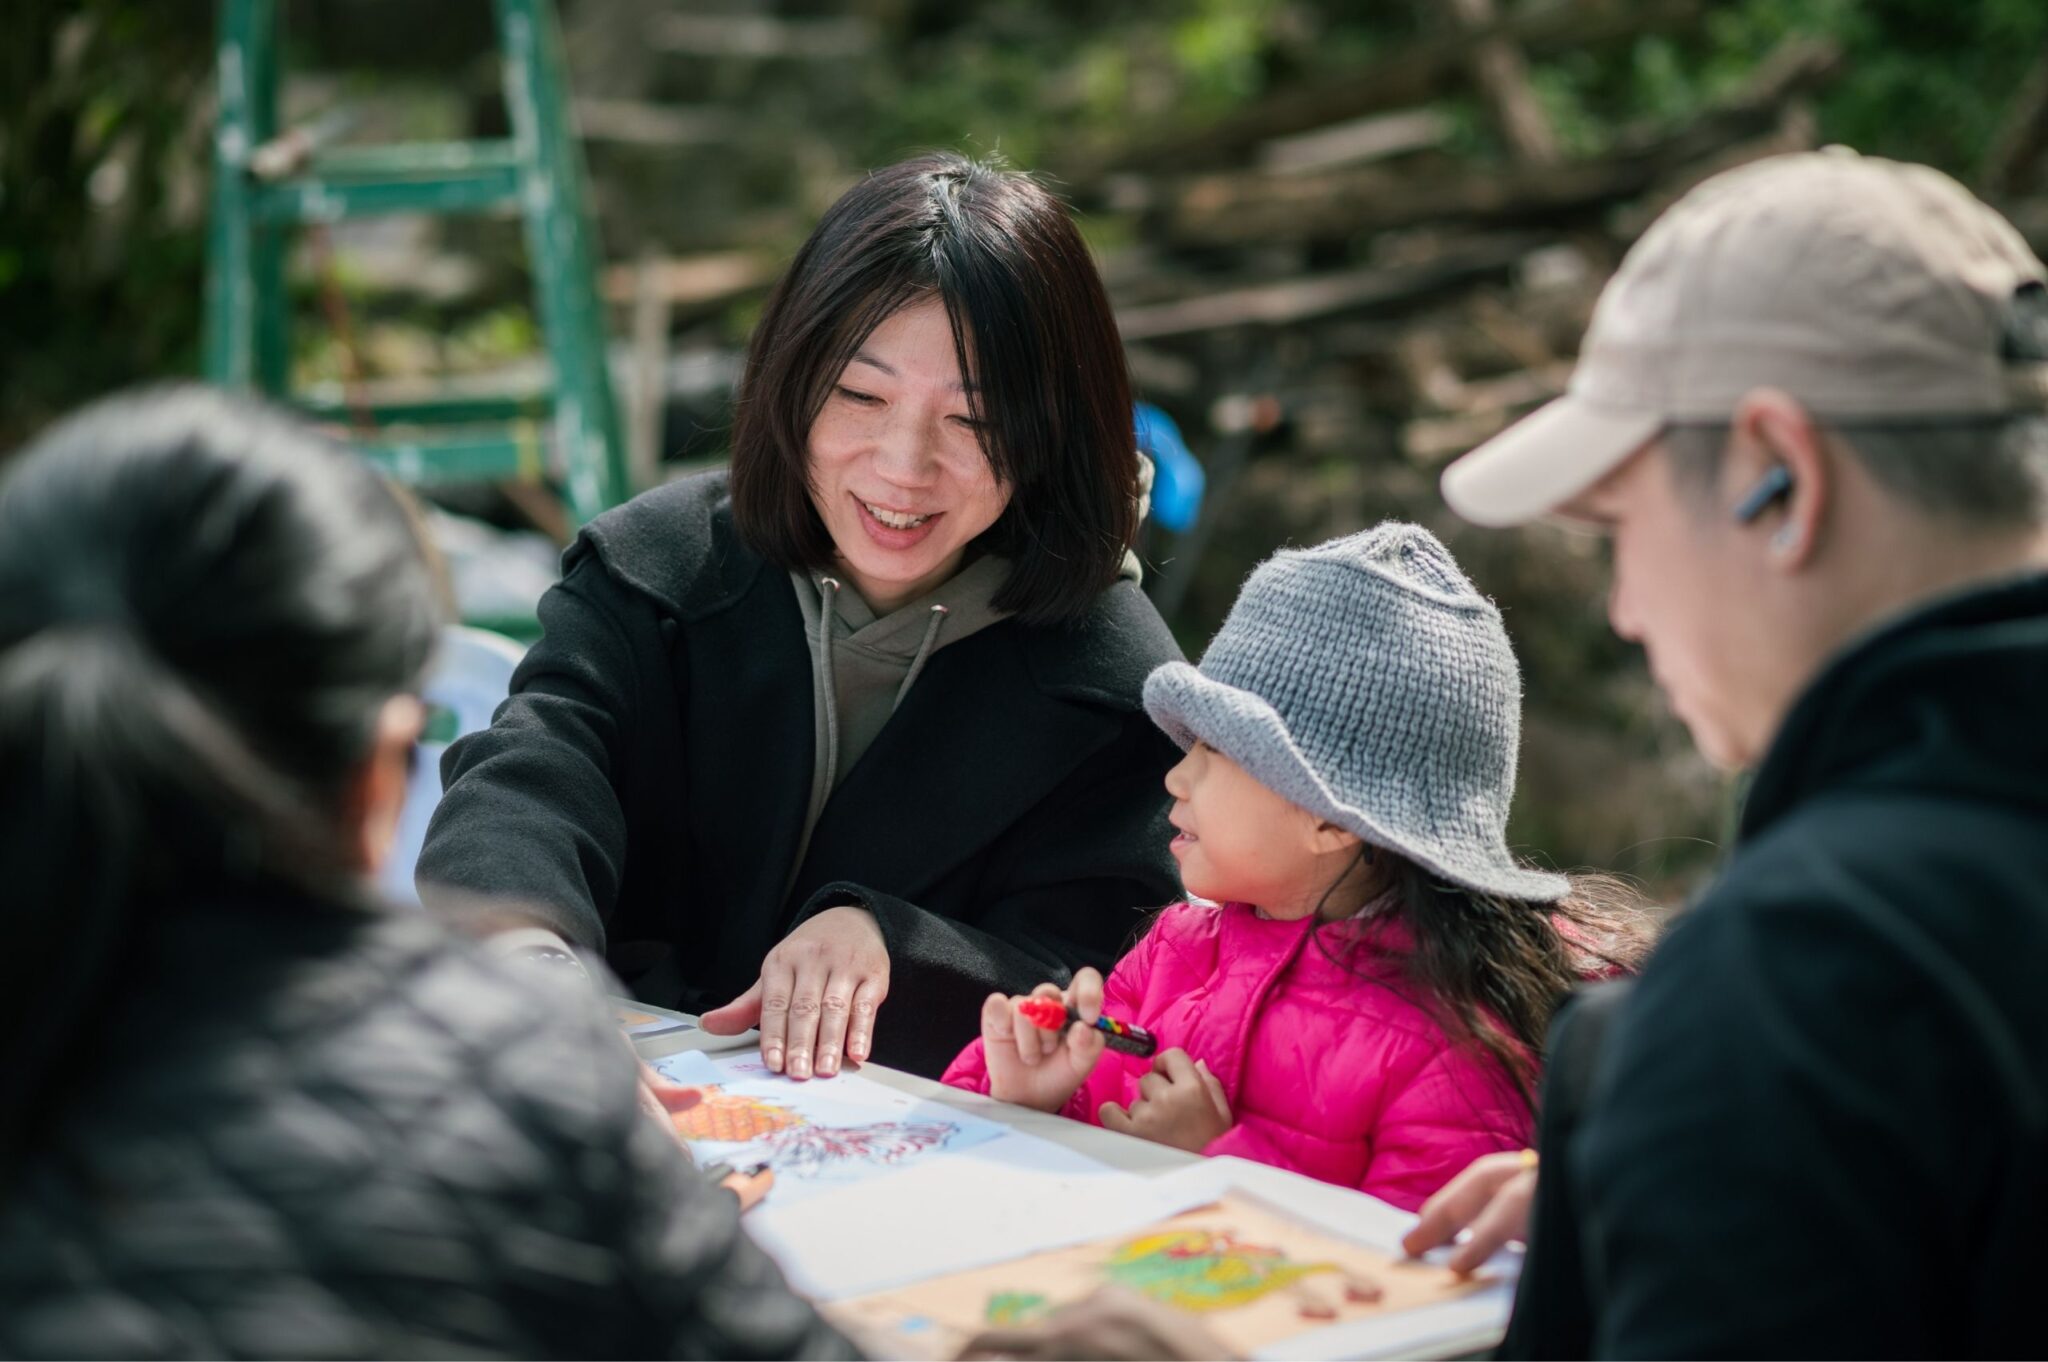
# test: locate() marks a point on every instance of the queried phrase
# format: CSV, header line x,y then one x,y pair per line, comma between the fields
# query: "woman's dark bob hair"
x,y
1036,341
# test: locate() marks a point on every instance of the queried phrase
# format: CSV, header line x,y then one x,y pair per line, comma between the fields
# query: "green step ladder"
x,y
263,188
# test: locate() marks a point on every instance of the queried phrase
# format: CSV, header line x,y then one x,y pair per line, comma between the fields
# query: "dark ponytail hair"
x,y
204,607
1493,971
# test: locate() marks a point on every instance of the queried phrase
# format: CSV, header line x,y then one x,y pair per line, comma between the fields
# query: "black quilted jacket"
x,y
309,1133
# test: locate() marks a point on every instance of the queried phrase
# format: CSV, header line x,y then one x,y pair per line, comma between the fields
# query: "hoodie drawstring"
x,y
924,652
828,592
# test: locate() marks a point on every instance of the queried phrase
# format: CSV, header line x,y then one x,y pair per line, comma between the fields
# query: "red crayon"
x,y
1054,1015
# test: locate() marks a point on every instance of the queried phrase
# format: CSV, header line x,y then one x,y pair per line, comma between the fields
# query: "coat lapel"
x,y
974,746
749,771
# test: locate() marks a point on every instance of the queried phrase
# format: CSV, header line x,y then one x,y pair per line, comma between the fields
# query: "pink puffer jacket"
x,y
1329,1073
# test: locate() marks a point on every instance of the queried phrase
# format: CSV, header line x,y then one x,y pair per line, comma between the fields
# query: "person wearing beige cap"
x,y
1809,413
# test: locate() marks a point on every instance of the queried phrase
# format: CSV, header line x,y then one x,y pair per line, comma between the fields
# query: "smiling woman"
x,y
859,719
943,335
896,462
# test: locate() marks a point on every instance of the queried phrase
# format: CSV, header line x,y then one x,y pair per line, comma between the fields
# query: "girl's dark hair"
x,y
1036,341
204,607
1493,971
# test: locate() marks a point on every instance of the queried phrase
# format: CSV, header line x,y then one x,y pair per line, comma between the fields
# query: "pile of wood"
x,y
1478,277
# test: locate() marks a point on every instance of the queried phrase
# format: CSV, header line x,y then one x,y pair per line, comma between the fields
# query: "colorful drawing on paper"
x,y
1203,1270
1016,1307
805,1150
733,1119
815,1135
1256,1277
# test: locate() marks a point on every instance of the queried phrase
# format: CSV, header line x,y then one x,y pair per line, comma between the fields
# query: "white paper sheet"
x,y
996,1201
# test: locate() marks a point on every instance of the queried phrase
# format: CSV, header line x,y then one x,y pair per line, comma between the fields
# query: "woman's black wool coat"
x,y
644,788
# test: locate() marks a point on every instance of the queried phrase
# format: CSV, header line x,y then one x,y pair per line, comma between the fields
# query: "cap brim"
x,y
1544,460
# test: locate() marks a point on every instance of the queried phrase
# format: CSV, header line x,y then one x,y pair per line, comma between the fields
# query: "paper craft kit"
x,y
1253,1276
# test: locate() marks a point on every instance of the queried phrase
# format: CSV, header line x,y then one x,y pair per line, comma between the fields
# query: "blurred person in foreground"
x,y
1808,413
243,1110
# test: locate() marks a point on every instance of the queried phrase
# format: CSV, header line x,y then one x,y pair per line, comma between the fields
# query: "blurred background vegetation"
x,y
1348,238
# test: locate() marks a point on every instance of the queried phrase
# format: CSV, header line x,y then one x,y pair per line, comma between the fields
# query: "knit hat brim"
x,y
1190,708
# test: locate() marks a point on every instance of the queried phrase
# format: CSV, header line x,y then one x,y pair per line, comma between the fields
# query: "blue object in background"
x,y
1178,479
468,682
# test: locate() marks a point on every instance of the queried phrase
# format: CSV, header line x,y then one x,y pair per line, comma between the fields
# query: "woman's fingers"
x,y
1461,1201
1504,1218
860,1032
806,998
736,1016
675,1099
1085,995
749,1185
835,1011
777,978
1112,1324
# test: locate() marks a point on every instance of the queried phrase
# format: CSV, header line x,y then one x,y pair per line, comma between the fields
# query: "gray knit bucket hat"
x,y
1369,682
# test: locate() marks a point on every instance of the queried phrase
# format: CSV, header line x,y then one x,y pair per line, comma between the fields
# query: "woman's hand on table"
x,y
1180,1103
816,999
1032,1066
664,1101
1492,1198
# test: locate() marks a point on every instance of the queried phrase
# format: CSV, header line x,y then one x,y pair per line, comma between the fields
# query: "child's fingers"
x,y
995,1022
1175,1066
1154,1086
1213,1085
1084,1047
1028,1036
1085,994
1114,1117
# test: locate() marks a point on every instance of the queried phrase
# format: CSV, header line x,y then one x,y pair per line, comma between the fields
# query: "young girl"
x,y
1359,984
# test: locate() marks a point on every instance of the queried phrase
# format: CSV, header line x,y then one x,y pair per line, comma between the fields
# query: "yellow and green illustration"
x,y
1202,1270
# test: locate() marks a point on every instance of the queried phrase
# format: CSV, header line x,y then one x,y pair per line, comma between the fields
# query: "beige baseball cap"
x,y
1865,288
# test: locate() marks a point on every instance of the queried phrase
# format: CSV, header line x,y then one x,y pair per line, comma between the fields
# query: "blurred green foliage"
x,y
100,248
104,108
1923,80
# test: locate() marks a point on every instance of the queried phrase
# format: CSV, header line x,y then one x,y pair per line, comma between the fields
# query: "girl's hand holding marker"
x,y
1042,1048
1179,1103
1036,1067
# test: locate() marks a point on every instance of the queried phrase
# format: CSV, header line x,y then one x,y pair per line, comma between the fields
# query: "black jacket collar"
x,y
1950,698
677,546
